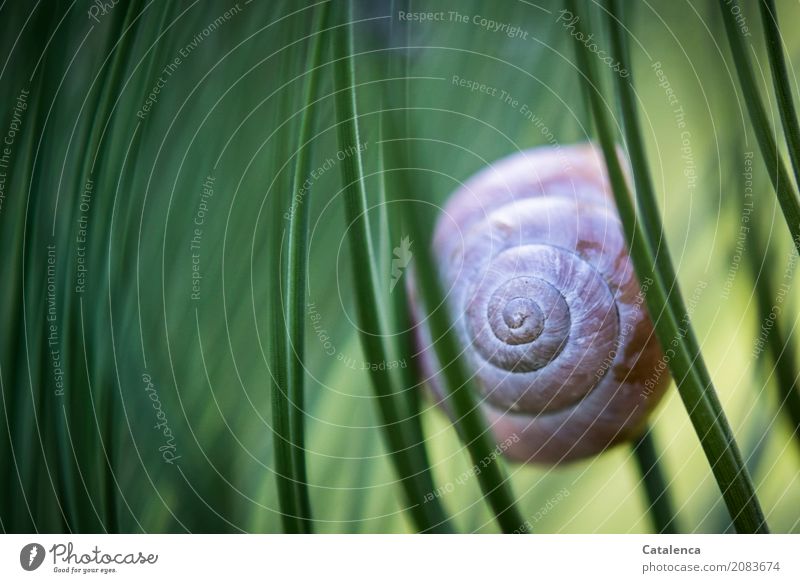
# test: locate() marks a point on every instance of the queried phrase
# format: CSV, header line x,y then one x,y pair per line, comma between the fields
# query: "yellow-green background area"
x,y
215,115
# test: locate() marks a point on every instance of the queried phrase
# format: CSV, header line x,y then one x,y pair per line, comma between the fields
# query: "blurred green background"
x,y
142,330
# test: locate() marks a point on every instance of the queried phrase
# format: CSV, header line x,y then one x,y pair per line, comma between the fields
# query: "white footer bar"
x,y
390,558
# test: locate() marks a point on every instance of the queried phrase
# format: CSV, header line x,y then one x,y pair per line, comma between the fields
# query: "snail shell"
x,y
547,306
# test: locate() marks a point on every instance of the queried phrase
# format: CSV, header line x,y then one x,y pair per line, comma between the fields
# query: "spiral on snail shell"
x,y
547,306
